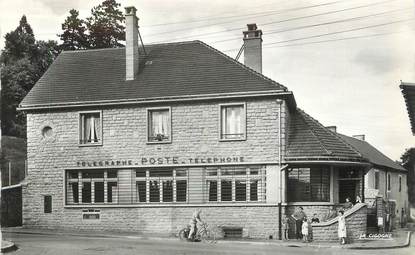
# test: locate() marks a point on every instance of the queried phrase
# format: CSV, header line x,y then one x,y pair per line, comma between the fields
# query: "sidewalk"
x,y
400,239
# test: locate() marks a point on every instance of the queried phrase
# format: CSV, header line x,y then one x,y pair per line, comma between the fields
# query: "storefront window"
x,y
308,184
235,184
164,185
90,186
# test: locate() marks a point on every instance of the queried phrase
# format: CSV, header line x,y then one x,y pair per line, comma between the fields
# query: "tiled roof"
x,y
373,155
408,91
168,71
310,140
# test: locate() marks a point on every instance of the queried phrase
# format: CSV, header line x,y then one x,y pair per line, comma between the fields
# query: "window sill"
x,y
150,205
232,140
310,203
159,142
89,144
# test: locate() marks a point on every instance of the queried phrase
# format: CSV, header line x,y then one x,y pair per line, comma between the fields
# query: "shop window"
x,y
159,125
376,179
47,204
213,190
236,184
90,128
232,122
165,185
90,186
308,184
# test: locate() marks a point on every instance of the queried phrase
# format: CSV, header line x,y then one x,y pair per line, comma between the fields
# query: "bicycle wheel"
x,y
208,236
182,234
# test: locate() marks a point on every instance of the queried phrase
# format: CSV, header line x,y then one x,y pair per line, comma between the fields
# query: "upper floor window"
x,y
376,179
388,184
400,183
90,131
159,125
232,122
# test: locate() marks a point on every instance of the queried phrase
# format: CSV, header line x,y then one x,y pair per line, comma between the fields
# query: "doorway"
x,y
348,189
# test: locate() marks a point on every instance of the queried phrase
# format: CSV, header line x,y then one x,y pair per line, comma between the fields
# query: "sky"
x,y
349,79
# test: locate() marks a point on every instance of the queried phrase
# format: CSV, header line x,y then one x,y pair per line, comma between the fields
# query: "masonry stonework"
x,y
195,133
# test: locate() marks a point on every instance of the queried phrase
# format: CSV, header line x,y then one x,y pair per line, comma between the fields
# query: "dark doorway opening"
x,y
348,189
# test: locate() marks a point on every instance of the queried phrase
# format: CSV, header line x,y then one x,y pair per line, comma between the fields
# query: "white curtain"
x,y
232,120
160,122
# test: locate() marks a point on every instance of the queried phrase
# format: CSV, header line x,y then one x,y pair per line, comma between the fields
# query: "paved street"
x,y
63,245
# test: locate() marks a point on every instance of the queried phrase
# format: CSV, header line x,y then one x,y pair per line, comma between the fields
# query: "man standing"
x,y
298,215
193,222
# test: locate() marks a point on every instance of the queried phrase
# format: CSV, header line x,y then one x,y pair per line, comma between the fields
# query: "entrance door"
x,y
348,188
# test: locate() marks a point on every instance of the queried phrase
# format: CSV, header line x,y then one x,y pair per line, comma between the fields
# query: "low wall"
x,y
356,219
11,206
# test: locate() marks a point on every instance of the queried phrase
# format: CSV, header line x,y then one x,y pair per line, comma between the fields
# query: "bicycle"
x,y
203,234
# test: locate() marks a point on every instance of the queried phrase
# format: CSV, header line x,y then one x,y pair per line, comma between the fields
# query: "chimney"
x,y
253,48
332,128
131,43
359,137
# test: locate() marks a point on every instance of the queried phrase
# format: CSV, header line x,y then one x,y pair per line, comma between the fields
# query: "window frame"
x,y
376,184
47,204
80,127
244,121
388,182
148,110
400,183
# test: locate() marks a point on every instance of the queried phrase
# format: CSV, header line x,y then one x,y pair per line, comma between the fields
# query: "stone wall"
x,y
356,219
195,133
11,206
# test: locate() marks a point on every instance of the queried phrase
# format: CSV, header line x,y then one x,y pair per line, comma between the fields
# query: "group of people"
x,y
303,225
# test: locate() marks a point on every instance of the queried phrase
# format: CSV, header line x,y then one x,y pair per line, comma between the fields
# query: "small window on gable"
x,y
90,132
400,183
389,181
159,125
232,122
376,186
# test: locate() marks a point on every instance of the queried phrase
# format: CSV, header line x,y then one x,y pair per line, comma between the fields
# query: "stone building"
x,y
136,139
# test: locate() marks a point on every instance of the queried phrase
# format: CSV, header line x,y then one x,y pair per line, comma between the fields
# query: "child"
x,y
304,230
342,228
285,227
315,219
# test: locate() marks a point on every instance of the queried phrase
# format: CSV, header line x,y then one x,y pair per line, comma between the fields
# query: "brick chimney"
x,y
253,48
359,137
131,43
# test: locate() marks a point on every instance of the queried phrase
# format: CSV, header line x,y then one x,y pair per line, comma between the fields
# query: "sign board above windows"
x,y
149,161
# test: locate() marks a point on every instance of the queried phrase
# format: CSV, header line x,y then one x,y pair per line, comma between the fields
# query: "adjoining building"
x,y
136,140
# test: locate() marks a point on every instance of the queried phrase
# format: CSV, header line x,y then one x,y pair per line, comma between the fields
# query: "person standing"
x,y
193,222
342,232
285,227
304,230
298,216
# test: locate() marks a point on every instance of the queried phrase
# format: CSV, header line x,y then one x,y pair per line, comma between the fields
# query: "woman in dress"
x,y
342,227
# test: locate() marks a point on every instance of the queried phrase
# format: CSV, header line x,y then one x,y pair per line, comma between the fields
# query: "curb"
x,y
406,244
10,246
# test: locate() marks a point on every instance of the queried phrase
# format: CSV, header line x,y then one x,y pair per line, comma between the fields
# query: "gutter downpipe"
x,y
280,102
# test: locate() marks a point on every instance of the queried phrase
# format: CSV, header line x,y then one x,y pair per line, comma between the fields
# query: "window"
x,y
91,186
47,204
388,182
91,215
232,122
400,183
159,125
90,131
376,179
235,184
161,185
308,184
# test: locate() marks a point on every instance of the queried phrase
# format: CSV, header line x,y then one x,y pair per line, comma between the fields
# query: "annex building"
x,y
135,140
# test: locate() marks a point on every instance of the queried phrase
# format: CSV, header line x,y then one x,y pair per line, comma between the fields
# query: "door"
x,y
347,189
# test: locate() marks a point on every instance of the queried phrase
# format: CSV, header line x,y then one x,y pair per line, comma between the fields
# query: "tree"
x,y
23,62
408,162
105,26
73,36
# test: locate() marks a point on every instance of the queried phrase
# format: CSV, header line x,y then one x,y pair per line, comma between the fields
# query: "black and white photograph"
x,y
207,127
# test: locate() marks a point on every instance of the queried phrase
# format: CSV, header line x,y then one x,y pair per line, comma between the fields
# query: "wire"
x,y
333,33
268,13
207,18
280,21
319,24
